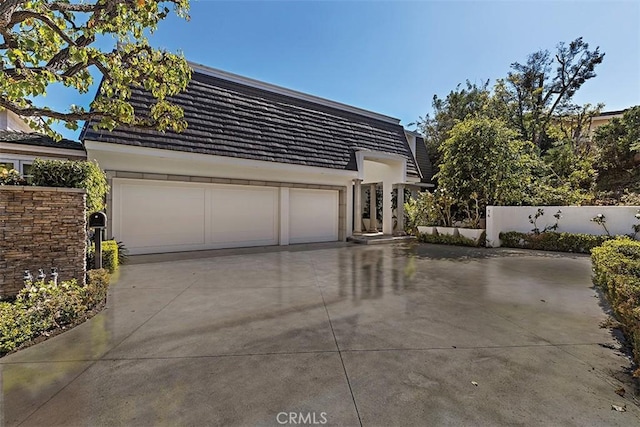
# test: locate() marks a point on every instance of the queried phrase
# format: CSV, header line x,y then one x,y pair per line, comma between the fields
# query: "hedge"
x,y
110,257
616,268
450,240
553,241
73,174
41,307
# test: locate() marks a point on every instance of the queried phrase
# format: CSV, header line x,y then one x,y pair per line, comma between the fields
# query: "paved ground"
x,y
378,336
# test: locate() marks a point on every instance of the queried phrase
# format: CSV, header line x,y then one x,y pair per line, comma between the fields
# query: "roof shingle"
x,y
227,118
424,163
38,139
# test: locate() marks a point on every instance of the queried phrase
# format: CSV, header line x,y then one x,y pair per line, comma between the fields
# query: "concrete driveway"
x,y
345,336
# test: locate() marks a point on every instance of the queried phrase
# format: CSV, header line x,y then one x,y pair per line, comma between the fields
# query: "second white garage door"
x,y
161,216
313,215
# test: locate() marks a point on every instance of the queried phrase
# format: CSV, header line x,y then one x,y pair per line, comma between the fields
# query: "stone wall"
x,y
41,227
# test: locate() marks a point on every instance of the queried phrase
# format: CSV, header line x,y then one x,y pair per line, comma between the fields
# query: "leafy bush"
x,y
616,268
73,174
552,241
41,307
11,177
95,291
123,253
15,326
421,211
110,256
451,240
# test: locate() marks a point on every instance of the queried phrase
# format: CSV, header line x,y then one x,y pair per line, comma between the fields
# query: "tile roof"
x,y
229,118
611,113
38,139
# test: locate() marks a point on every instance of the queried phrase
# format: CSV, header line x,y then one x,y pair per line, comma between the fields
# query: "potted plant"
x,y
472,225
444,206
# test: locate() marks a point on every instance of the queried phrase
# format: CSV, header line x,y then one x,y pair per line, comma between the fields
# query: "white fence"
x,y
574,219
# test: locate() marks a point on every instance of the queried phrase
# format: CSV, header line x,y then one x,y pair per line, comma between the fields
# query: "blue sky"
x,y
393,56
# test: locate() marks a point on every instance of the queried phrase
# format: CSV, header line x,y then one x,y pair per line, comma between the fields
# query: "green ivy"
x,y
616,268
552,241
73,174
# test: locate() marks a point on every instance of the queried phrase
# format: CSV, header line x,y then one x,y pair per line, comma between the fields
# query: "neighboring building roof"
x,y
611,113
231,116
38,139
424,163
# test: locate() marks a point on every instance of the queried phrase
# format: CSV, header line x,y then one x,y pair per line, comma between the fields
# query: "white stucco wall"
x,y
575,219
166,163
148,160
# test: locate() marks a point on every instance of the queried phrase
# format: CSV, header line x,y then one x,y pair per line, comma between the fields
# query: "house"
x,y
19,145
257,165
602,119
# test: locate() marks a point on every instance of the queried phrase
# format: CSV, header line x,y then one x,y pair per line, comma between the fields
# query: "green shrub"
x,y
552,241
421,210
451,240
11,177
15,326
41,307
95,291
73,174
616,270
123,253
110,256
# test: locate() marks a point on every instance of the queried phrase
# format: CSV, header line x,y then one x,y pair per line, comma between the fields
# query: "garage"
x,y
313,216
257,165
169,216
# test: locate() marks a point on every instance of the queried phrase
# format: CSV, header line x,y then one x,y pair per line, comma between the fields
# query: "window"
x,y
5,164
26,171
22,166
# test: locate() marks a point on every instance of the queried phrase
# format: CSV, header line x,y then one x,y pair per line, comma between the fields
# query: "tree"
x,y
459,104
58,42
618,144
571,126
534,92
485,157
569,162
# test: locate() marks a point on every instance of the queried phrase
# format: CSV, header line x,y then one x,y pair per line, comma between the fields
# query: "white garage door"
x,y
313,215
161,216
157,216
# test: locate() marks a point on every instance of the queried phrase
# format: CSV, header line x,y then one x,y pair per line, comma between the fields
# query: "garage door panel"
x,y
244,216
162,216
313,215
153,216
